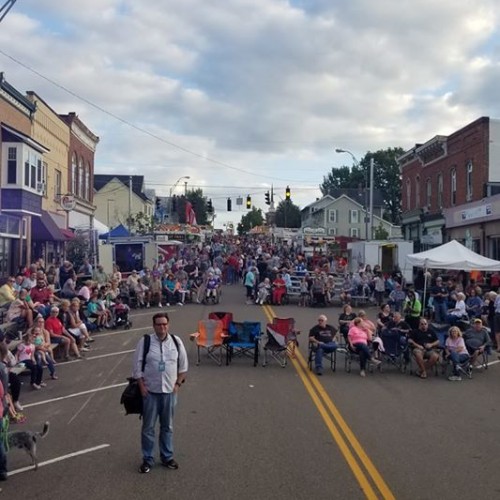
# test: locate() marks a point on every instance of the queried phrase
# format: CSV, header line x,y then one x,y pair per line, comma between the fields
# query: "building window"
x,y
12,166
57,185
332,231
332,216
87,182
453,187
428,193
469,180
81,179
73,173
417,192
440,191
31,166
353,216
408,194
354,232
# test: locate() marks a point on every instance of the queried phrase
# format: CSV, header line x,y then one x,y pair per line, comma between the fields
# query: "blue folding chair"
x,y
243,340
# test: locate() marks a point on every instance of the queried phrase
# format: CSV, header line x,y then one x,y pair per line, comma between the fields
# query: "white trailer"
x,y
385,253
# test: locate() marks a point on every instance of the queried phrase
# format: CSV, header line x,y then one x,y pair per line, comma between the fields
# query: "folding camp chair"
x,y
281,340
225,317
210,336
243,340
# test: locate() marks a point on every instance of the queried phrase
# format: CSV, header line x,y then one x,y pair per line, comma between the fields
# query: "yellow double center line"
x,y
361,466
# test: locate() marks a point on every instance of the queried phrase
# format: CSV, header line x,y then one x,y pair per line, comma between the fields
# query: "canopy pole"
x,y
425,290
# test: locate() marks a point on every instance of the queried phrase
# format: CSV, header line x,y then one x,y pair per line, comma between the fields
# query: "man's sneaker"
x,y
18,406
144,468
168,304
362,373
171,464
376,362
43,384
36,387
84,349
148,305
319,371
159,305
455,378
180,303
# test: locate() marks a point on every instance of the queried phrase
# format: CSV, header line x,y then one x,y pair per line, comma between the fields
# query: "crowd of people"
x,y
53,312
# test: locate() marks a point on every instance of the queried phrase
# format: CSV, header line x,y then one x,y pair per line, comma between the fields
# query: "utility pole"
x,y
372,165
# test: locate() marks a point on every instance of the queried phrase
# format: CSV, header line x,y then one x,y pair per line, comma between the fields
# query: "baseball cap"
x,y
478,320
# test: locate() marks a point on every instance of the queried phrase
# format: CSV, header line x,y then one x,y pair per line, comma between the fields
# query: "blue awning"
x,y
44,228
118,232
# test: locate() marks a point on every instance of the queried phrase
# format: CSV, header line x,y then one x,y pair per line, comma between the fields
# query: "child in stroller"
x,y
120,314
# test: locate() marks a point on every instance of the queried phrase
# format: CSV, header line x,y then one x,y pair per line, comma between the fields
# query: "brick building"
x,y
451,189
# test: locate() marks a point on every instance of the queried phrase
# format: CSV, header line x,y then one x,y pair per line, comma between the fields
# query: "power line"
x,y
136,127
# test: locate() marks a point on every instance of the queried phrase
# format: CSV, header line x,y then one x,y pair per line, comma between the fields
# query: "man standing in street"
x,y
159,382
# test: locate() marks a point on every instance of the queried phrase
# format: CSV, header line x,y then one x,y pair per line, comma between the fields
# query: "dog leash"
x,y
5,433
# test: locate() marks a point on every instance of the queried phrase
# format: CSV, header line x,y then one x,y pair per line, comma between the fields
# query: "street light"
x,y
172,189
356,162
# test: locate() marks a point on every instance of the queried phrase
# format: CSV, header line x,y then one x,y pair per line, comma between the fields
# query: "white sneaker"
x,y
168,304
147,306
18,406
362,373
180,304
84,349
159,305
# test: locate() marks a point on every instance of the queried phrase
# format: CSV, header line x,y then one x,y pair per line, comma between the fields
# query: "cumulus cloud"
x,y
269,87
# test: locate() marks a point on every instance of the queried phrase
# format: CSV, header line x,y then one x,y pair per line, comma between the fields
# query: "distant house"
x,y
114,200
343,216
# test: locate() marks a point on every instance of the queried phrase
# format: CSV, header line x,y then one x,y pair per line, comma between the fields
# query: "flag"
x,y
190,214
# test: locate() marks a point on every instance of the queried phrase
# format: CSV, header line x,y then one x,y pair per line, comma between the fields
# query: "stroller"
x,y
121,313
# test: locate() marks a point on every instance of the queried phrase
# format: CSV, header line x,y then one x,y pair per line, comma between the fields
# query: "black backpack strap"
x,y
145,350
176,342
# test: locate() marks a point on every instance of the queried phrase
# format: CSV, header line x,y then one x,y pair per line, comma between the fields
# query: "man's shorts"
x,y
426,353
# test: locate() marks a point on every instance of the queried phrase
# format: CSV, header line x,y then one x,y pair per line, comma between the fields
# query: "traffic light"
x,y
229,208
249,202
158,203
174,203
210,207
287,193
268,198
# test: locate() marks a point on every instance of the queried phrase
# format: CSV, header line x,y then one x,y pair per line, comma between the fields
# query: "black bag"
x,y
131,397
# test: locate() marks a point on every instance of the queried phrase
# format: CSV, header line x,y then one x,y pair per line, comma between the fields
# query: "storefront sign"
x,y
476,212
314,231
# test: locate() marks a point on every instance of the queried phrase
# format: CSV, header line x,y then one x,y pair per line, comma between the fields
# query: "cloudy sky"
x,y
244,94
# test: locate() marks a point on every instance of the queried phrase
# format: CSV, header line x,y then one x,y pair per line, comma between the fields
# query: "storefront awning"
x,y
67,233
44,228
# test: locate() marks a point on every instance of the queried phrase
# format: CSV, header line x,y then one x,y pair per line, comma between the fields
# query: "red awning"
x,y
68,234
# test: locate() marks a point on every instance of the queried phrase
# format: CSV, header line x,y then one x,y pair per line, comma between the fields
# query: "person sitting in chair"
x,y
476,340
279,289
323,337
423,343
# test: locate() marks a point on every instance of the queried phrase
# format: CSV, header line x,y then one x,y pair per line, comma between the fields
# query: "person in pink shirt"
x,y
26,355
358,338
456,351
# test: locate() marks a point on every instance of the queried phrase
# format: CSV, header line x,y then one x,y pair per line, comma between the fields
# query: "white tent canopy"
x,y
453,255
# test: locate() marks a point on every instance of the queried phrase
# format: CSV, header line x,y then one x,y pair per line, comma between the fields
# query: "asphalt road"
x,y
243,432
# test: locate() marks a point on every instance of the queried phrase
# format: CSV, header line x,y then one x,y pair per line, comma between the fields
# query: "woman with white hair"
x,y
459,312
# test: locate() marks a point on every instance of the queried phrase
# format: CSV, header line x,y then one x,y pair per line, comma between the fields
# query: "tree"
x,y
287,214
140,223
77,249
386,176
251,219
199,202
380,233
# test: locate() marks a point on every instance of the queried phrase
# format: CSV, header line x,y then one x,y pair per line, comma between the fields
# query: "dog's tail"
x,y
45,430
